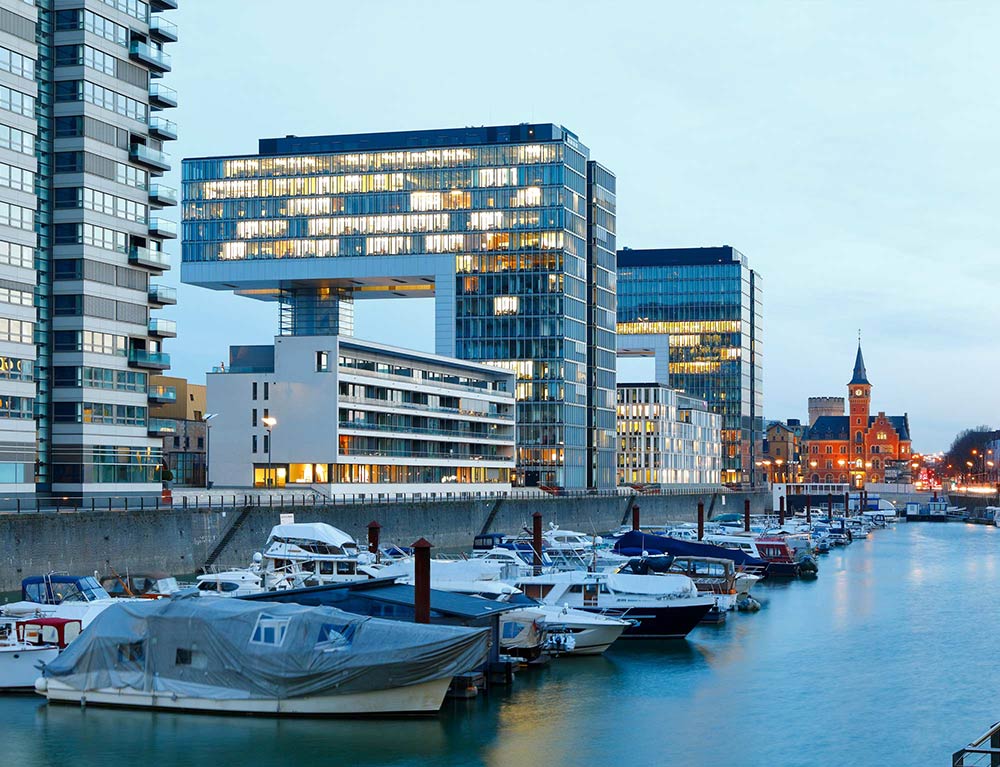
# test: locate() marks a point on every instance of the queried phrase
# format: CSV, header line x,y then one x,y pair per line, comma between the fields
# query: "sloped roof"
x,y
900,423
860,375
838,427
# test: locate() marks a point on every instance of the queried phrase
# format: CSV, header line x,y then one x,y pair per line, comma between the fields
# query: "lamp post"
x,y
208,444
777,470
268,422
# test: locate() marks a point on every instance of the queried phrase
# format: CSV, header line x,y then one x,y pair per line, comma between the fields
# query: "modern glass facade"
x,y
510,228
78,243
707,301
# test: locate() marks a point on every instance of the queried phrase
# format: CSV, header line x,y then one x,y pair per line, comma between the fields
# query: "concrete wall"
x,y
178,541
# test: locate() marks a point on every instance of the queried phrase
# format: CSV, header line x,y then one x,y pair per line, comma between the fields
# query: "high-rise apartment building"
x,y
510,229
80,147
704,306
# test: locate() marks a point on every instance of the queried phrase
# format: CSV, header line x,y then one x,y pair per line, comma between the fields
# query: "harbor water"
x,y
888,658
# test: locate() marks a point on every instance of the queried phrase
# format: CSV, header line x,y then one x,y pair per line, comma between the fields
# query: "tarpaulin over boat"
x,y
635,542
232,649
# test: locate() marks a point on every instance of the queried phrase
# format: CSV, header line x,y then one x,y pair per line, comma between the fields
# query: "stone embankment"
x,y
181,540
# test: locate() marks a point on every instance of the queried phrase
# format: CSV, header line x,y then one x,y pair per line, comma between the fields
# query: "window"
x,y
267,443
269,630
253,443
265,389
253,417
132,652
183,657
16,102
16,64
177,442
858,436
322,362
253,390
201,443
18,141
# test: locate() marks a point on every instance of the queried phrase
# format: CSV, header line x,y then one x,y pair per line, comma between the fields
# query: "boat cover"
x,y
317,532
236,649
636,542
674,586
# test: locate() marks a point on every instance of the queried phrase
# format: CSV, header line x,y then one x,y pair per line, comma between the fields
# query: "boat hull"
x,y
594,641
660,621
19,667
415,700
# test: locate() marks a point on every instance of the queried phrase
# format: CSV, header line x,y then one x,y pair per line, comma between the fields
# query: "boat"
x,y
658,606
27,645
232,656
716,576
73,597
149,585
229,583
301,554
638,543
932,511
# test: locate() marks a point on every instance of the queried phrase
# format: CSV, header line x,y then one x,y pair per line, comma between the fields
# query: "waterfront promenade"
x,y
886,659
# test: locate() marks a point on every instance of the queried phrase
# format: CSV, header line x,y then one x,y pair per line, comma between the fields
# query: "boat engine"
x,y
808,567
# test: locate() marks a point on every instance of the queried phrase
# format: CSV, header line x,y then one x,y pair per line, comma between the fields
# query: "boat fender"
x,y
41,685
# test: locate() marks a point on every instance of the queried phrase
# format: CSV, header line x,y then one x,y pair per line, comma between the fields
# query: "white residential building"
x,y
351,416
666,438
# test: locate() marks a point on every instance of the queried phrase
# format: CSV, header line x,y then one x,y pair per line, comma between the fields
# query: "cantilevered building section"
x,y
80,237
509,228
701,307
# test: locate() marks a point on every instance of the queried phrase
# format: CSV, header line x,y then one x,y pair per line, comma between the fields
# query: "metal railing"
x,y
460,433
425,408
982,752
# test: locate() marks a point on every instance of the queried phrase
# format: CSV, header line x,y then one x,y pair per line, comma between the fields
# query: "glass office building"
x,y
707,303
81,145
509,228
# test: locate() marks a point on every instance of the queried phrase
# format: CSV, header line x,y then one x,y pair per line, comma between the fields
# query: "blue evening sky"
x,y
849,149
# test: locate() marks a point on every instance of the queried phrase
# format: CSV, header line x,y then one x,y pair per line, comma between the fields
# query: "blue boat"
x,y
636,542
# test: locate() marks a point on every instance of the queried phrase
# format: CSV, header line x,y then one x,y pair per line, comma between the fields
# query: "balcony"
x,y
161,29
163,395
161,427
162,328
162,128
162,97
140,358
151,158
152,57
155,259
161,195
161,227
162,294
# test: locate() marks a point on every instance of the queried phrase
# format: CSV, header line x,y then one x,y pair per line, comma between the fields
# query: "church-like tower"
x,y
859,395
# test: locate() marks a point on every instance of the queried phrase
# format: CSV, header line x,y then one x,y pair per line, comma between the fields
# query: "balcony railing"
x,y
162,97
158,326
161,28
161,194
155,259
162,394
163,128
140,358
147,54
146,155
162,294
158,427
162,227
470,436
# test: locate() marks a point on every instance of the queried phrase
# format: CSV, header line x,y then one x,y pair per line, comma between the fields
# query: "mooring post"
x,y
829,508
635,516
536,541
746,515
847,504
374,529
809,510
422,581
781,511
701,520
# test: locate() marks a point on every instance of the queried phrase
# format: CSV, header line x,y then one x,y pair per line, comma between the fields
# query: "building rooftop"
x,y
724,254
838,427
860,374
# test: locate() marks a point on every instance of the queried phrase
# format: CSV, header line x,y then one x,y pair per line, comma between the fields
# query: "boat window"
x,y
183,657
71,631
326,568
345,568
207,586
228,586
536,590
132,652
576,588
35,592
269,630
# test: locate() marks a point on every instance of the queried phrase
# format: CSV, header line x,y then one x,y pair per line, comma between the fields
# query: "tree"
x,y
962,446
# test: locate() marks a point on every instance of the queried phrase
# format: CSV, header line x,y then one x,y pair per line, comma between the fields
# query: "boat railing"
x,y
982,752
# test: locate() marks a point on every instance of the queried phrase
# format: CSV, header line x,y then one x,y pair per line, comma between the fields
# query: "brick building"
x,y
858,447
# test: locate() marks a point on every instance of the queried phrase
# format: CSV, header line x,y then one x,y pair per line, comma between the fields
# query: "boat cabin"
x,y
48,631
151,585
56,589
711,575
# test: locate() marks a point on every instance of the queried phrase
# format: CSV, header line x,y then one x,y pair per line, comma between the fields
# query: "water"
x,y
887,659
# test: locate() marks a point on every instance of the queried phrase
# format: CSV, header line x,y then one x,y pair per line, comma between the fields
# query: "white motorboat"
x,y
72,597
27,645
229,583
309,554
657,606
232,656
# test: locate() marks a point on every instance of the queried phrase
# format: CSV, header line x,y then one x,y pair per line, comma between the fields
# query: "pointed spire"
x,y
860,375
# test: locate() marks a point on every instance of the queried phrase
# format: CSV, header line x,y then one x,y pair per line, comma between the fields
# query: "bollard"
x,y
536,541
847,504
829,508
701,520
635,516
781,511
809,510
373,535
422,581
746,515
91,503
19,504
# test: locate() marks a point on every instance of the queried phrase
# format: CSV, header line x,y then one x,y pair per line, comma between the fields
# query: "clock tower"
x,y
859,394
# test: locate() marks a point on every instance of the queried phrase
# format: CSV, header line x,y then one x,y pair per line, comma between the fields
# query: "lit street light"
x,y
269,422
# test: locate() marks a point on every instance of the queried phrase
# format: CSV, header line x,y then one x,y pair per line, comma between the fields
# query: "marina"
x,y
867,648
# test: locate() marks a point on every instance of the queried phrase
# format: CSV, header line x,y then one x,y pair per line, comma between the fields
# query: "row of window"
x,y
137,9
17,407
79,162
16,369
101,202
91,22
106,464
16,63
17,255
89,341
17,216
76,55
100,271
84,90
20,179
98,412
100,378
16,102
16,297
89,234
17,140
253,392
17,331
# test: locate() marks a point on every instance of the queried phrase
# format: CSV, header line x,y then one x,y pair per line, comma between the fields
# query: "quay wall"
x,y
179,540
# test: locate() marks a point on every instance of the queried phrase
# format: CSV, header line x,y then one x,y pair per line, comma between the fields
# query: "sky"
x,y
848,149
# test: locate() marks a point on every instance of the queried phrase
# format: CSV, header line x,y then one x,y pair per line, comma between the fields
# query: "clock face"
x,y
857,392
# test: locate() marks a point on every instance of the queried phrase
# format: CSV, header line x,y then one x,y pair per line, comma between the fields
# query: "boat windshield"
x,y
85,589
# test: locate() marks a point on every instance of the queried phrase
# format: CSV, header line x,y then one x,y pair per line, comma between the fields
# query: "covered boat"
x,y
638,543
236,656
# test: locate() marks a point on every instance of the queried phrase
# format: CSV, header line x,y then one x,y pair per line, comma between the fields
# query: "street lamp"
x,y
777,463
269,422
208,444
